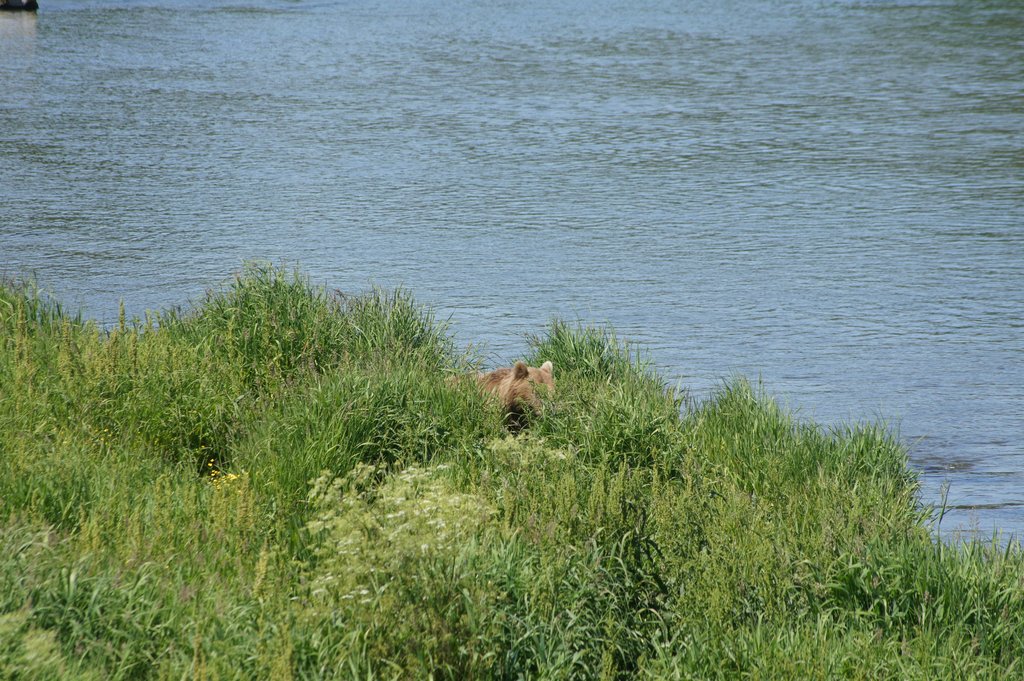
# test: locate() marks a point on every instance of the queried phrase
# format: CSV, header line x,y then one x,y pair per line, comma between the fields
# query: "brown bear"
x,y
516,388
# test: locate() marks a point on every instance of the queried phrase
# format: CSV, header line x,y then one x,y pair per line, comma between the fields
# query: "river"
x,y
826,196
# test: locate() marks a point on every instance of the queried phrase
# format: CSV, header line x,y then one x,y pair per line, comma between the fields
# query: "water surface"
x,y
826,196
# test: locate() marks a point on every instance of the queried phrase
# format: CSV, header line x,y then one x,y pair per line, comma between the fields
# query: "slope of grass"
x,y
279,482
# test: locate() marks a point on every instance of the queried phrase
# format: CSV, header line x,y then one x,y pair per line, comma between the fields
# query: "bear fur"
x,y
516,387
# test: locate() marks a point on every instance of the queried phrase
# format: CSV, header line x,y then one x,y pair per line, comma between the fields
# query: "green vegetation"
x,y
281,483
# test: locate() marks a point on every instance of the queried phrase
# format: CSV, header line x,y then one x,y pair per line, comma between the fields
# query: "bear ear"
x,y
547,367
520,371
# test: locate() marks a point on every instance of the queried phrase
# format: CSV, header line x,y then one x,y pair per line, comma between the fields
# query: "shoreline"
x,y
279,478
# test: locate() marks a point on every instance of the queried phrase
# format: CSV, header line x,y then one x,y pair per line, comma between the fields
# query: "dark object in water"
x,y
19,5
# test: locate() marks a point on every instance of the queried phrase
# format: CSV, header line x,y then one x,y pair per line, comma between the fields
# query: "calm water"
x,y
826,195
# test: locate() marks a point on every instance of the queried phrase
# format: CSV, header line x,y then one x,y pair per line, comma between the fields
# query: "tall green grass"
x,y
279,482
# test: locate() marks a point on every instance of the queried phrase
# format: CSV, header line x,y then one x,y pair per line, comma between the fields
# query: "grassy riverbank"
x,y
279,483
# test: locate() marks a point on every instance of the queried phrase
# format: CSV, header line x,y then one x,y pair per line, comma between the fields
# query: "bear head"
x,y
517,388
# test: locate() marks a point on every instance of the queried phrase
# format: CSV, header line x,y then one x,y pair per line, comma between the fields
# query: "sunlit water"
x,y
825,195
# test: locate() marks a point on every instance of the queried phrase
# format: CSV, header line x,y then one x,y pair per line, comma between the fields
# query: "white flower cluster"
x,y
369,526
